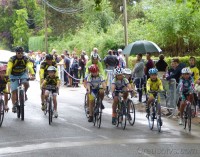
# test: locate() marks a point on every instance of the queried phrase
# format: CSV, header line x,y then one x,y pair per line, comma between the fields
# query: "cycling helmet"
x,y
118,71
51,68
3,67
49,57
153,71
95,56
19,49
127,71
186,71
93,68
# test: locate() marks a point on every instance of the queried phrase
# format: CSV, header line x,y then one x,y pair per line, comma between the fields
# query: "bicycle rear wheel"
x,y
86,106
21,97
131,112
151,117
50,110
1,112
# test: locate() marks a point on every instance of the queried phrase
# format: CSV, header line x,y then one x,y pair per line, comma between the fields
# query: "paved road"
x,y
71,135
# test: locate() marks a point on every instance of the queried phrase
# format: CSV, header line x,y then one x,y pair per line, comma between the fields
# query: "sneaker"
x,y
129,116
90,119
113,121
180,122
55,114
14,109
43,108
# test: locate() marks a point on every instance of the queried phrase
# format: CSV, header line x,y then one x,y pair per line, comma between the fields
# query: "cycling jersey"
x,y
3,83
154,85
18,67
52,81
95,82
43,69
120,84
186,86
195,73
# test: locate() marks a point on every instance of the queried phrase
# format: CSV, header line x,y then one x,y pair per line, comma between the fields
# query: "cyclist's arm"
x,y
113,87
129,87
41,72
9,68
43,84
29,65
148,86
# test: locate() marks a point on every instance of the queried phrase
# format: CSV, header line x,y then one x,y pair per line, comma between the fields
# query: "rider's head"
x,y
186,72
119,73
95,58
94,70
51,71
153,72
49,59
19,52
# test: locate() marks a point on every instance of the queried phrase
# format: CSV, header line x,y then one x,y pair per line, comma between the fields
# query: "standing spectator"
x,y
67,67
111,61
71,69
74,69
85,56
161,66
121,58
82,63
95,51
138,72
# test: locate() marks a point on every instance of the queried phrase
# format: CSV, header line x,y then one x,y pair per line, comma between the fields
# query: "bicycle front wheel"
x,y
159,123
99,113
86,106
189,115
131,112
1,112
50,111
150,117
21,97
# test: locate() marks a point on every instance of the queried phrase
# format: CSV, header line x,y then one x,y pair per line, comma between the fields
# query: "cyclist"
x,y
49,61
53,81
4,85
18,68
153,84
186,88
95,81
119,83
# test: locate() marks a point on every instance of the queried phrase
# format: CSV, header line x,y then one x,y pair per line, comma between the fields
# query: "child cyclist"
x,y
51,82
4,85
95,84
186,89
119,83
154,84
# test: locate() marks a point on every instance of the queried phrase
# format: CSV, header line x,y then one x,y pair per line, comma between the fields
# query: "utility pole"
x,y
45,25
125,28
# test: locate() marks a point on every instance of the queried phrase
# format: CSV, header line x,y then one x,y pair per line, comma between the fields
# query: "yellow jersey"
x,y
195,73
154,85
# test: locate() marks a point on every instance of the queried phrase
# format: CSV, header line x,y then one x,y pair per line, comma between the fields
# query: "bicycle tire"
x,y
86,106
124,116
150,117
194,110
99,114
18,111
189,116
95,112
118,114
50,110
185,119
159,123
21,97
2,107
131,112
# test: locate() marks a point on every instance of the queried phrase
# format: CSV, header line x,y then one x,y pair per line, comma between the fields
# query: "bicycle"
x,y
2,107
153,112
49,102
97,111
125,111
110,77
20,97
187,115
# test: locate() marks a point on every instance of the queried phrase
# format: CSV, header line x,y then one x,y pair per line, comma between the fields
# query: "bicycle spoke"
x,y
131,112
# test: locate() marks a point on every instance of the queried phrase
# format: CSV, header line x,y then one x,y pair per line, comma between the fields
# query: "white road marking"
x,y
66,144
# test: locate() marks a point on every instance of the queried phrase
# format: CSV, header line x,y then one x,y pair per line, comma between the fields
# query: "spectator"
x,y
67,67
95,51
82,63
148,65
74,69
138,73
161,66
121,58
111,61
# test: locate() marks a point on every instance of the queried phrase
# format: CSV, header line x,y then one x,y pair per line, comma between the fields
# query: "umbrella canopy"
x,y
141,46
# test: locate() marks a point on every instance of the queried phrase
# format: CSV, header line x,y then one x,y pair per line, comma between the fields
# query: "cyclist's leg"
x,y
91,106
6,100
13,86
55,111
101,96
182,107
150,99
114,107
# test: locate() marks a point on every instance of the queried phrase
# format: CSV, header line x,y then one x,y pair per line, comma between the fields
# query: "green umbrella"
x,y
141,46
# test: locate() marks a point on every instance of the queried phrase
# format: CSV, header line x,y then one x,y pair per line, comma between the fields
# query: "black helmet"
x,y
49,57
19,49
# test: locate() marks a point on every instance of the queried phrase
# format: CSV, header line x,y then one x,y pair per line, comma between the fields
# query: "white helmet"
x,y
118,71
127,71
51,68
186,71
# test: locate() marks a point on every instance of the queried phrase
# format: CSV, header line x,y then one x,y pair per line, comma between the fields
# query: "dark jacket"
x,y
161,65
